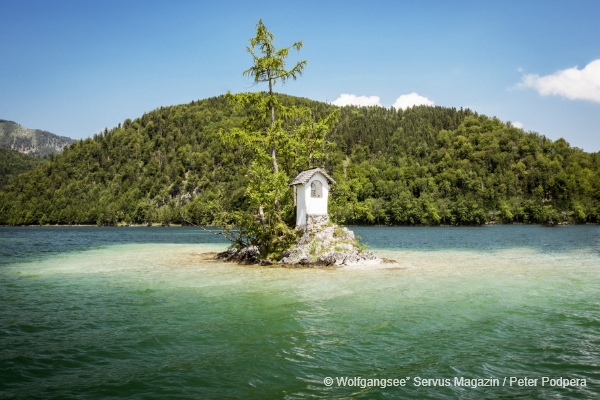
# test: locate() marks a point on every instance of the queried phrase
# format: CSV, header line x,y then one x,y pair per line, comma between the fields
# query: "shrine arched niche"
x,y
316,189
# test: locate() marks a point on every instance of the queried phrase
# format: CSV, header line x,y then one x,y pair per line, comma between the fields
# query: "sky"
x,y
76,67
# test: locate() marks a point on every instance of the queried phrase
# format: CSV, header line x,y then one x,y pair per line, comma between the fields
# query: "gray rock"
x,y
328,259
321,245
247,255
250,251
327,245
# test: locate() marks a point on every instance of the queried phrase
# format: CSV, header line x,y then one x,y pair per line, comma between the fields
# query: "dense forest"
x,y
13,163
423,165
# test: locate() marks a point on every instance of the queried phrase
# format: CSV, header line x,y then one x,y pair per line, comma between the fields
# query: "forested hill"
x,y
13,163
30,141
425,165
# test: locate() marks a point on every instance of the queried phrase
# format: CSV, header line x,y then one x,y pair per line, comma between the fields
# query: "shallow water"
x,y
139,312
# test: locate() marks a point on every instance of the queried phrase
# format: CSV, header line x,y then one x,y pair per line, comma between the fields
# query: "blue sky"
x,y
75,67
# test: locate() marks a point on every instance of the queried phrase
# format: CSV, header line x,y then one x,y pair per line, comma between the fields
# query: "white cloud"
x,y
517,124
354,100
572,83
412,99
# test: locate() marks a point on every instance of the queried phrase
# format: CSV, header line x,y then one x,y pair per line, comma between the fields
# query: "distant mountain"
x,y
30,141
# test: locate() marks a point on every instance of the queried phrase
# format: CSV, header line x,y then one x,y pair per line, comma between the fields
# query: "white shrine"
x,y
311,192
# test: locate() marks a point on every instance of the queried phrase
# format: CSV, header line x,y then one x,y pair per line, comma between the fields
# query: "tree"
x,y
270,68
273,132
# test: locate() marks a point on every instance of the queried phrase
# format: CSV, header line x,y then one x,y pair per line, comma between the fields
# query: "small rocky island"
x,y
326,244
323,243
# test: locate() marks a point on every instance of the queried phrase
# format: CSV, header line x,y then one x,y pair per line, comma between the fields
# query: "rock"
x,y
250,251
321,245
327,245
328,259
247,255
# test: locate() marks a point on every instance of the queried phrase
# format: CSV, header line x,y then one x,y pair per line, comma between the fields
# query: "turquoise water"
x,y
141,313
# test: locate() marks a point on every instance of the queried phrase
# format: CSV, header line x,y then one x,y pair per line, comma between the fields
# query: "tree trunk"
x,y
274,158
273,150
261,214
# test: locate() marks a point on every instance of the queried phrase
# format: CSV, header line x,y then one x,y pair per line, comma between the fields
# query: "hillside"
x,y
425,165
30,141
13,163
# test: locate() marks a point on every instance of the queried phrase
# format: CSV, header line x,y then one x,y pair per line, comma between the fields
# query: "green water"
x,y
140,313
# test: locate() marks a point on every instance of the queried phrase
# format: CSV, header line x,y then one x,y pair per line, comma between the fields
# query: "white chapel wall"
x,y
307,205
316,205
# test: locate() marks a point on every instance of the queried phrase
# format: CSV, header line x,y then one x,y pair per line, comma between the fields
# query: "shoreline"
x,y
378,226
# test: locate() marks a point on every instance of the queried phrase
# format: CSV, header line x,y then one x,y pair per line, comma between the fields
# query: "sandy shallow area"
x,y
448,262
188,265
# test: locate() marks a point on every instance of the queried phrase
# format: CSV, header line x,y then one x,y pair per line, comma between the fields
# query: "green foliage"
x,y
172,165
361,245
313,248
457,167
269,67
13,163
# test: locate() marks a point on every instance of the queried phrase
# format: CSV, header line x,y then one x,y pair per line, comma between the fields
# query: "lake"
x,y
98,313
